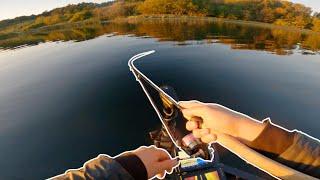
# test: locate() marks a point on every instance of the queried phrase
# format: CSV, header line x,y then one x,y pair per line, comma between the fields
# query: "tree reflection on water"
x,y
277,40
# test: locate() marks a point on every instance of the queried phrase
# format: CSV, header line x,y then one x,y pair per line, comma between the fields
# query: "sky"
x,y
13,8
314,4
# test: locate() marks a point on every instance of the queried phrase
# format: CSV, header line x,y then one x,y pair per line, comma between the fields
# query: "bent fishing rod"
x,y
249,155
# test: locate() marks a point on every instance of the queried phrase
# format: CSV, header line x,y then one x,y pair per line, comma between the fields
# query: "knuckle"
x,y
142,148
194,101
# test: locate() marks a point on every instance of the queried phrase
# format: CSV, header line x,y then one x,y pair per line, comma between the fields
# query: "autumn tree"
x,y
178,7
316,24
277,12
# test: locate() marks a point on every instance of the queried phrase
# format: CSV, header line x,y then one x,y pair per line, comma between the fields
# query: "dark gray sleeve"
x,y
102,167
291,148
272,141
303,155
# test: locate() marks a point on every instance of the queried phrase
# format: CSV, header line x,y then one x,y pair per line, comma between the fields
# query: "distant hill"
x,y
70,13
269,11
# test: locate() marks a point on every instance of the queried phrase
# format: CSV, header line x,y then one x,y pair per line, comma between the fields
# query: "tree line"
x,y
238,36
268,11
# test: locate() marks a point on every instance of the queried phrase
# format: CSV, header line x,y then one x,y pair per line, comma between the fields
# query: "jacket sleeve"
x,y
291,148
126,166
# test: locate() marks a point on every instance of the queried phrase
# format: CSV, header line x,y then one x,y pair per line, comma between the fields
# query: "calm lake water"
x,y
67,94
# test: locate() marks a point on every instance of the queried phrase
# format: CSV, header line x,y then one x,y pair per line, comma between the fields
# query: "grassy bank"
x,y
135,19
251,12
178,29
139,18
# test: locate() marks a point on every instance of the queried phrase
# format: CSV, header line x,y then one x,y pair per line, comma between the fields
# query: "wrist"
x,y
248,129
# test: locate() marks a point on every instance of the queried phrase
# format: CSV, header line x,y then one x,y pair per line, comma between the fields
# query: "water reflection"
x,y
181,31
65,103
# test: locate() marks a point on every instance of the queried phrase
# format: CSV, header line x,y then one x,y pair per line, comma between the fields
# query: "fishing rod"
x,y
139,75
271,167
185,141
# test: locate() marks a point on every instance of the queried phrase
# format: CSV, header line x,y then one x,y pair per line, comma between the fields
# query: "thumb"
x,y
168,164
199,111
190,104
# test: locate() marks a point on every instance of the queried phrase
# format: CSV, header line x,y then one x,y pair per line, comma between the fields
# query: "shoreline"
x,y
166,17
211,19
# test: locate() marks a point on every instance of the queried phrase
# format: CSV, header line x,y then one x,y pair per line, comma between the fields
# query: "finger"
x,y
198,133
193,118
161,175
196,119
168,164
198,111
190,125
169,171
190,104
204,132
209,138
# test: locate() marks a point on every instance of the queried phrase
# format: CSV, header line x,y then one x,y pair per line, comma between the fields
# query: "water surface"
x,y
67,95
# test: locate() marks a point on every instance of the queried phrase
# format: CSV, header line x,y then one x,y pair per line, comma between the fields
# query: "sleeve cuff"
x,y
133,165
272,140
